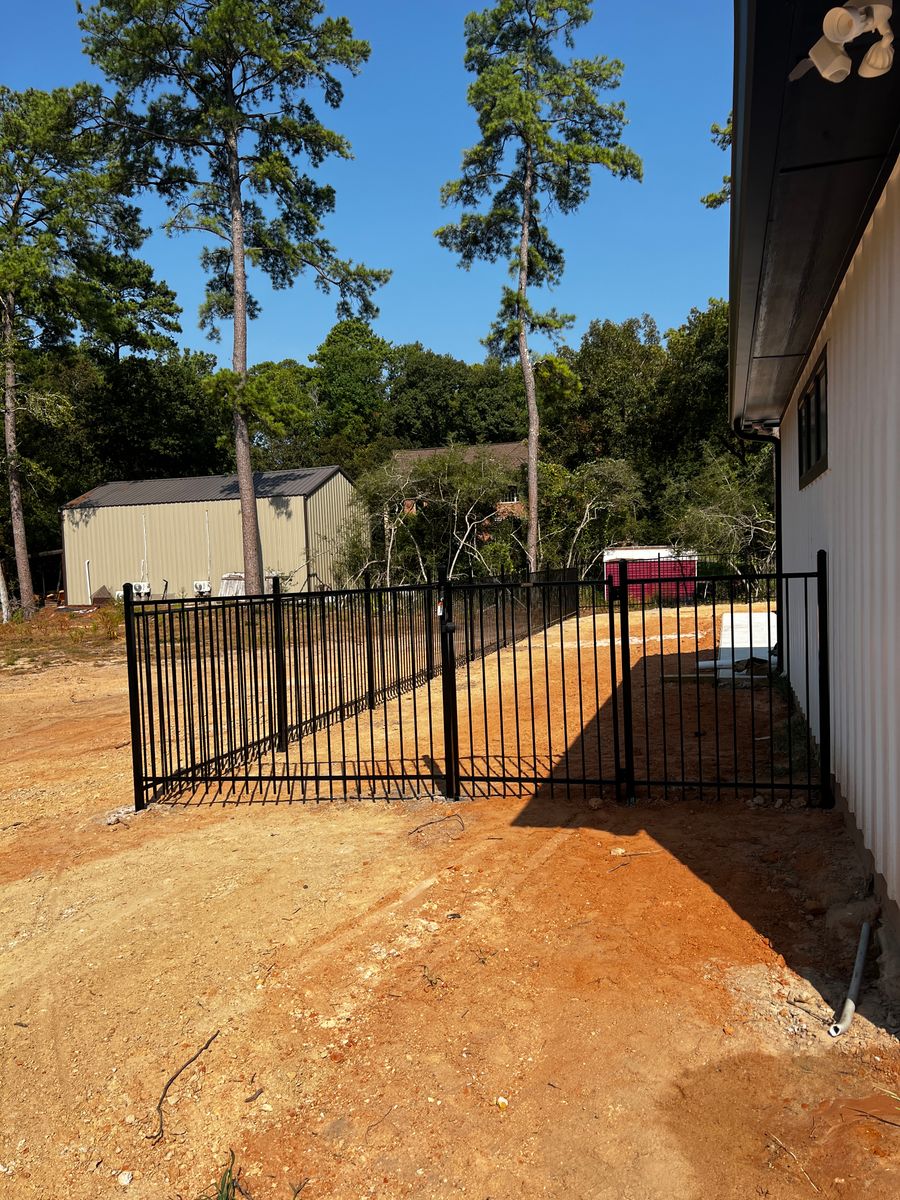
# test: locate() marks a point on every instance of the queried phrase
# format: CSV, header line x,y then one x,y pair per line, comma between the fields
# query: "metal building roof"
x,y
203,489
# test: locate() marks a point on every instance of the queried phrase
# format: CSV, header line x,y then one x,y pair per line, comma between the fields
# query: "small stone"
x,y
266,1107
129,1120
124,1178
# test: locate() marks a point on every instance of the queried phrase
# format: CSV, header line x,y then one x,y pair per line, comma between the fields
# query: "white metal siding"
x,y
853,512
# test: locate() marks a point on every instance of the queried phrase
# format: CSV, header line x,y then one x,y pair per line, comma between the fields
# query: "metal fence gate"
x,y
629,686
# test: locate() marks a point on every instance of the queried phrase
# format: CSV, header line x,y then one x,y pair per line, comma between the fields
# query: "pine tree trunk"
x,y
253,564
531,543
17,515
5,606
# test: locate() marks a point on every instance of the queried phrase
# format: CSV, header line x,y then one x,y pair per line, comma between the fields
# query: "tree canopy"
x,y
722,136
68,238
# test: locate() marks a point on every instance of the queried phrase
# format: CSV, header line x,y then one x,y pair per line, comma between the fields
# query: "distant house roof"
x,y
203,488
507,454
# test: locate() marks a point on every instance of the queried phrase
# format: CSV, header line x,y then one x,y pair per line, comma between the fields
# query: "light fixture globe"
x,y
831,60
844,24
878,60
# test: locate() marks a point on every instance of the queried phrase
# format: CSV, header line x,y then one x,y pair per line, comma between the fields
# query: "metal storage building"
x,y
188,530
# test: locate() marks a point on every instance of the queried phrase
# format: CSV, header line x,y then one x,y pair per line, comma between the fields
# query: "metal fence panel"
x,y
632,686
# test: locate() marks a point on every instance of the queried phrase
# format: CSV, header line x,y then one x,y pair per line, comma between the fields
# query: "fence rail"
x,y
615,686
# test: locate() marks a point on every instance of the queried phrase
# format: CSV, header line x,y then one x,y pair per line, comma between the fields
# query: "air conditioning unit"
x,y
141,591
202,587
120,595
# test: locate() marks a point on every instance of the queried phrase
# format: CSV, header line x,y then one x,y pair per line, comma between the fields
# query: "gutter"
x,y
772,438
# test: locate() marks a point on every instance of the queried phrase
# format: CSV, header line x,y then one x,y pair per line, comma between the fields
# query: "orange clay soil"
x,y
648,989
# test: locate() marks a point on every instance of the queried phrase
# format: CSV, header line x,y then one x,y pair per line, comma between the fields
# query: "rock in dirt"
x,y
845,920
124,1177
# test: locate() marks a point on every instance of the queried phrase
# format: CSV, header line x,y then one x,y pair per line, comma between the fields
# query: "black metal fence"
x,y
580,687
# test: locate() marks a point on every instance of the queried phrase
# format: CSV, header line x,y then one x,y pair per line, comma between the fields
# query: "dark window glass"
x,y
812,421
822,406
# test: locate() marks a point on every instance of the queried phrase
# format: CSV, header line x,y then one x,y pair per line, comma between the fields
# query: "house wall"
x,y
169,541
853,512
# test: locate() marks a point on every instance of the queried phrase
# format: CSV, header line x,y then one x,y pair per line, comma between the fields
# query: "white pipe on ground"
x,y
842,1020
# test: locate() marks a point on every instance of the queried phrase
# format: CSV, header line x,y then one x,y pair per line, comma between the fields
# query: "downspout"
x,y
772,439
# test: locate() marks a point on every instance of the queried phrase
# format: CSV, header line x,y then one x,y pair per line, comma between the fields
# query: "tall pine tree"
x,y
543,127
221,89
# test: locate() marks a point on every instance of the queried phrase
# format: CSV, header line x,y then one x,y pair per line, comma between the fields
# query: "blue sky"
x,y
632,248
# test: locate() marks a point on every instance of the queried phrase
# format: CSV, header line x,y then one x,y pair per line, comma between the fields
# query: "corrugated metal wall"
x,y
329,514
185,542
853,512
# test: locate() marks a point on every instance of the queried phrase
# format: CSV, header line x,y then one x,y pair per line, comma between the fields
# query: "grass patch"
x,y
228,1186
52,636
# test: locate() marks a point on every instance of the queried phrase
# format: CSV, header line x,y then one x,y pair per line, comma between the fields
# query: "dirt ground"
x,y
648,989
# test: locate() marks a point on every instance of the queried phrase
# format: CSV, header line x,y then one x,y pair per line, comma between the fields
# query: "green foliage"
x,y
543,127
68,237
228,1186
693,389
68,234
135,418
600,401
585,510
215,95
450,510
351,381
726,508
435,398
362,397
722,136
283,416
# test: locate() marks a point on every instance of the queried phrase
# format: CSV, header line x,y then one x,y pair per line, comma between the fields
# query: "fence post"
x,y
503,605
370,642
826,791
134,705
627,720
429,595
281,710
611,597
448,690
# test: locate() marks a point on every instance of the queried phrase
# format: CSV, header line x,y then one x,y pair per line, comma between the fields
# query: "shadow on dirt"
x,y
741,751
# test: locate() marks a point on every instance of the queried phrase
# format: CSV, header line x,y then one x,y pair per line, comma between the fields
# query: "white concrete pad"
x,y
743,635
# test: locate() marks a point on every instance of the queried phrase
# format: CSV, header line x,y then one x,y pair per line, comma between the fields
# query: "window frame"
x,y
812,424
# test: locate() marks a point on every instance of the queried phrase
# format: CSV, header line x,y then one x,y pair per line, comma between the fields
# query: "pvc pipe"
x,y
842,1022
87,575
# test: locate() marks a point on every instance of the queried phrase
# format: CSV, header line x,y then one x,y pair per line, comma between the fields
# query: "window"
x,y
812,425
